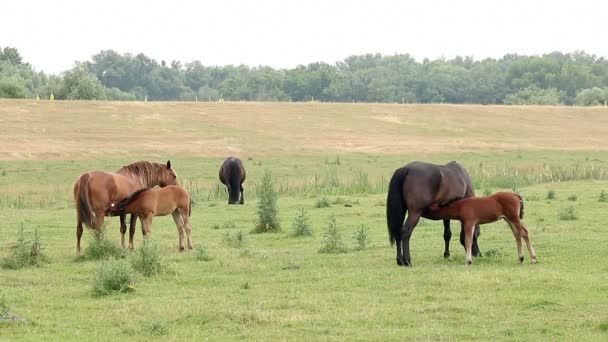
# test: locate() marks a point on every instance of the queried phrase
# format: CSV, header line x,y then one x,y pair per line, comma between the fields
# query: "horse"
x,y
95,190
232,174
481,210
147,203
412,189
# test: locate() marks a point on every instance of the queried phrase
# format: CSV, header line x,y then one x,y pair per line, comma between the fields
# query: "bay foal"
x,y
480,210
147,203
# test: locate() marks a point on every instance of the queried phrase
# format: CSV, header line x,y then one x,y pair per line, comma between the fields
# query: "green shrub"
x,y
267,206
361,236
301,224
572,198
25,253
603,196
113,276
147,259
550,194
322,203
567,214
101,248
332,240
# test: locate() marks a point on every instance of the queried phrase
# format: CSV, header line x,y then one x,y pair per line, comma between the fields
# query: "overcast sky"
x,y
51,35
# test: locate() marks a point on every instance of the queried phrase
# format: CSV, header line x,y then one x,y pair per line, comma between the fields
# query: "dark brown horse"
x,y
95,190
147,203
471,211
232,174
412,189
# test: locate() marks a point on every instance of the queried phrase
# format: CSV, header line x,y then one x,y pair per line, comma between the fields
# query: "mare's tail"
x,y
521,206
395,205
83,203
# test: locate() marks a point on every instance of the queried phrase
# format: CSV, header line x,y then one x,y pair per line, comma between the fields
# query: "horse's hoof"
x,y
446,255
181,249
399,262
521,260
469,262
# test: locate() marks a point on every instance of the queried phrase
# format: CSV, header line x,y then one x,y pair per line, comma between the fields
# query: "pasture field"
x,y
278,287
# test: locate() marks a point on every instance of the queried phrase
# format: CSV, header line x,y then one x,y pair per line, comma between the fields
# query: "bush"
x,y
101,248
301,224
113,276
267,206
147,259
322,203
361,236
572,198
12,89
550,194
332,240
567,214
25,252
535,96
603,196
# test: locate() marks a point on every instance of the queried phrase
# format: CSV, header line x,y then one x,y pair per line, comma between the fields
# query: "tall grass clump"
x,y
550,194
267,206
567,214
301,224
25,253
332,239
236,239
4,308
322,203
572,198
201,254
113,276
361,236
101,248
147,259
603,196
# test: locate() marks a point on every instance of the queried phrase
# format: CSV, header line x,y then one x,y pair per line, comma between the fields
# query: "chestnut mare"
x,y
95,190
412,189
232,174
147,203
481,210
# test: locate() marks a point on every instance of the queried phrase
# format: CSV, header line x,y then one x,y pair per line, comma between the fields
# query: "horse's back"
x,y
427,183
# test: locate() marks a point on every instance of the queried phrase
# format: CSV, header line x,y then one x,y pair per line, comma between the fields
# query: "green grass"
x,y
276,287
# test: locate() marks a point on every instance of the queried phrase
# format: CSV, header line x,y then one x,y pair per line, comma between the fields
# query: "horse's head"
x,y
167,175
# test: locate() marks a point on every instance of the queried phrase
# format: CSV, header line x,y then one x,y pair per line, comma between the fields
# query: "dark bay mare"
x,y
412,189
95,190
232,174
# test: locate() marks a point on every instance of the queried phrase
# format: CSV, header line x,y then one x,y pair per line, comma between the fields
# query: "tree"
x,y
535,96
591,97
79,84
12,89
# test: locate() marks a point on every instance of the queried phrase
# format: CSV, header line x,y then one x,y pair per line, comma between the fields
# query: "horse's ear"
x,y
168,164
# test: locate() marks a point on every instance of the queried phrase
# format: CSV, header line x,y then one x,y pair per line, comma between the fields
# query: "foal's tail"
x,y
83,203
395,205
521,206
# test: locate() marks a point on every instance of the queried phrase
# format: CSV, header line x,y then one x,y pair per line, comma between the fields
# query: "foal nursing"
x,y
480,210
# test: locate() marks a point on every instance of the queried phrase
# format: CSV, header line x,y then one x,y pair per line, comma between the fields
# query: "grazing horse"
x,y
95,190
412,189
147,203
232,174
481,210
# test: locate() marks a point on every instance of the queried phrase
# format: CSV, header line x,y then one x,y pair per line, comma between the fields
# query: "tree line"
x,y
556,78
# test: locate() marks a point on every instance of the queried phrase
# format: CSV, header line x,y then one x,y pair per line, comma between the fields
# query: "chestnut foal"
x,y
147,203
480,210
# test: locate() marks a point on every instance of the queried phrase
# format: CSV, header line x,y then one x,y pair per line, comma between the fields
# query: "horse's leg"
x,y
132,226
523,232
123,230
476,233
99,217
146,225
413,217
447,235
188,228
515,230
468,242
242,201
79,231
180,228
